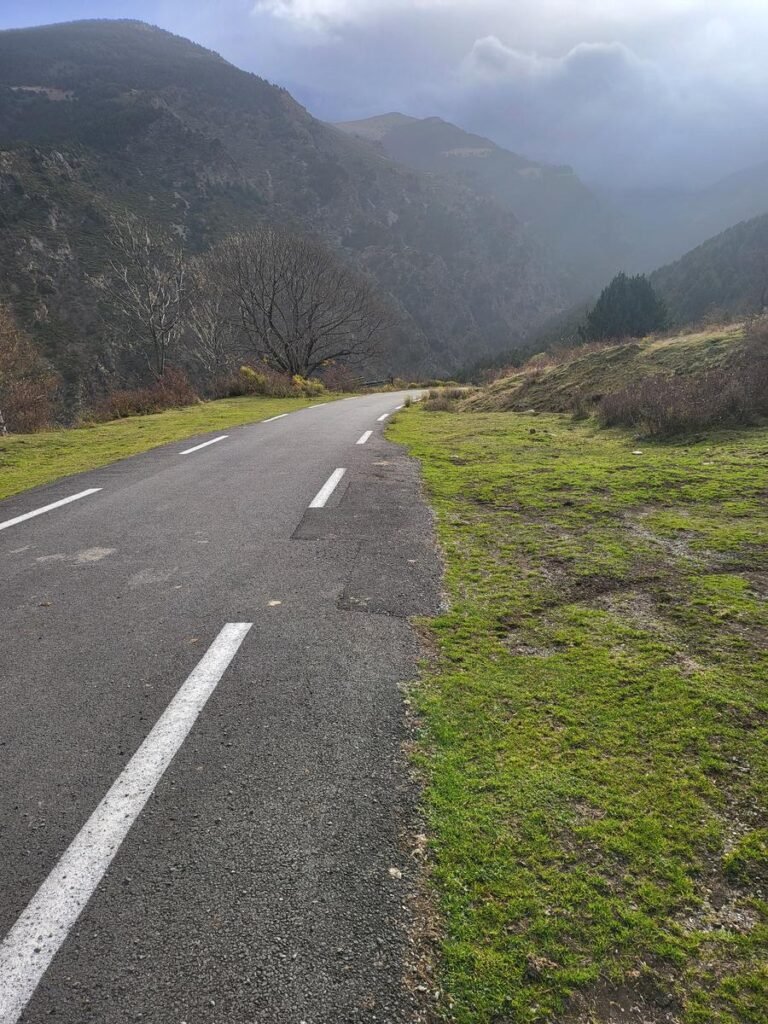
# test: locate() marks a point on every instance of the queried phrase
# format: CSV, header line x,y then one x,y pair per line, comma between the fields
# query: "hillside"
x,y
98,116
728,274
661,225
551,201
557,383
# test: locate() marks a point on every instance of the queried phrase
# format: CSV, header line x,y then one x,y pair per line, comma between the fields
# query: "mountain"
x,y
551,201
100,116
727,275
663,224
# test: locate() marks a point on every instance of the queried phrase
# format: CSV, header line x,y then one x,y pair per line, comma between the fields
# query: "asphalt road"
x,y
254,884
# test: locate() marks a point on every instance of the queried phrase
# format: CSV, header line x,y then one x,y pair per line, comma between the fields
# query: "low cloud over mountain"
x,y
659,93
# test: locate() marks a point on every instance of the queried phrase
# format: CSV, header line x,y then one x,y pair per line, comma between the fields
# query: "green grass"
x,y
594,720
27,460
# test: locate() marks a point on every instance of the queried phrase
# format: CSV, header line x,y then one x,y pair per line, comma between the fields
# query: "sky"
x,y
631,93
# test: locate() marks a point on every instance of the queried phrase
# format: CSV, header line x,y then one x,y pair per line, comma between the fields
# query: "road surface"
x,y
204,802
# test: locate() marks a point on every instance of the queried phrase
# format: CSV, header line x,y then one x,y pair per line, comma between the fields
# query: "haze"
x,y
670,92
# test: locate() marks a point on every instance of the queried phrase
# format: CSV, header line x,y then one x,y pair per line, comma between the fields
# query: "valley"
x,y
383,519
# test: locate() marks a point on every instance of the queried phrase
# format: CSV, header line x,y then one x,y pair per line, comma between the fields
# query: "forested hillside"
x,y
100,116
727,275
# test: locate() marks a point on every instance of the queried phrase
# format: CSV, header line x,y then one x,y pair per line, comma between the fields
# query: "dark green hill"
x,y
98,116
727,275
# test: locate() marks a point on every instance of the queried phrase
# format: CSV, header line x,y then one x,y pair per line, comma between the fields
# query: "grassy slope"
x,y
597,373
594,720
27,460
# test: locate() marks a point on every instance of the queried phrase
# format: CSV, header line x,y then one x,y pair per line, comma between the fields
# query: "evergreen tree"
x,y
627,308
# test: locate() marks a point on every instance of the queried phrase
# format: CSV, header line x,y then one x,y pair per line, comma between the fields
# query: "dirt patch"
x,y
640,1000
675,547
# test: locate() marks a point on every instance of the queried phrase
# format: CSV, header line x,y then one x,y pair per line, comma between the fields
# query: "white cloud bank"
x,y
627,92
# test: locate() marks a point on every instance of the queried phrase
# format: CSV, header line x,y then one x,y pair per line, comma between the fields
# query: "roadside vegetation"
x,y
593,718
28,460
265,311
660,384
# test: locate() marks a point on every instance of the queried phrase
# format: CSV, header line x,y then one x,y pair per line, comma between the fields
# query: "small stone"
x,y
395,873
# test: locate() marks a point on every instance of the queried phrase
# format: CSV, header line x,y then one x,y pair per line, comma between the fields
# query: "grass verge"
x,y
594,721
27,460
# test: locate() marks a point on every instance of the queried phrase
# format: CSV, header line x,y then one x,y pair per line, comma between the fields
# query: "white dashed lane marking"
x,y
197,447
48,508
43,926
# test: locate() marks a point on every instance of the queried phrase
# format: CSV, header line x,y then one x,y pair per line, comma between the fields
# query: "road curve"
x,y
202,790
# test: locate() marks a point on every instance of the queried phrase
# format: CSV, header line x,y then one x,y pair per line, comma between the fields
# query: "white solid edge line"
x,y
47,508
327,489
273,418
365,437
399,407
188,451
382,417
34,940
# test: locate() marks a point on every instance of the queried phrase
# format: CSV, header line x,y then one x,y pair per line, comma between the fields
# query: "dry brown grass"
x,y
733,394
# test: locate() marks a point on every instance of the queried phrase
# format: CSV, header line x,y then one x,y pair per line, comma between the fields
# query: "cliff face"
x,y
97,117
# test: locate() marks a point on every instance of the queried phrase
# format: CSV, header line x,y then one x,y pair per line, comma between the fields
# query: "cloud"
x,y
657,92
587,72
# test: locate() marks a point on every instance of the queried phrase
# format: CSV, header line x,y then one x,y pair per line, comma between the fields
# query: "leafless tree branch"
x,y
298,305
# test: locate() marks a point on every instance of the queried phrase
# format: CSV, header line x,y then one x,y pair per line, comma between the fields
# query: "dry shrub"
x,y
256,380
443,400
28,386
581,407
310,387
263,380
338,377
734,394
171,391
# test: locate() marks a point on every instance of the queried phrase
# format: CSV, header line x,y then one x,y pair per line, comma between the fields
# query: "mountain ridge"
x,y
725,276
552,202
170,130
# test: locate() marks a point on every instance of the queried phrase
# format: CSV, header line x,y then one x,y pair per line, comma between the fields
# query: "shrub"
x,y
581,407
311,387
250,380
444,400
171,391
28,387
660,406
339,377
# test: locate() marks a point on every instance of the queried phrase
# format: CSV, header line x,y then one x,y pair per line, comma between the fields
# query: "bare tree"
x,y
299,306
144,285
27,384
211,318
